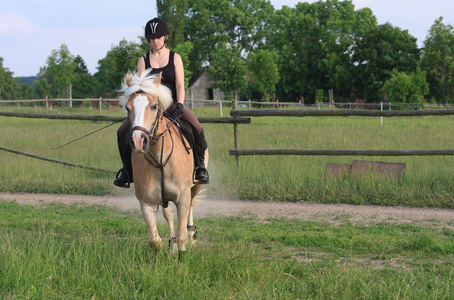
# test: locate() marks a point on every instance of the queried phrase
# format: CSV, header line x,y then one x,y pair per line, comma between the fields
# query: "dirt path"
x,y
333,213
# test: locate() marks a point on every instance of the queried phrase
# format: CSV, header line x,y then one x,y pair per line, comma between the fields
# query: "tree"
x,y
84,86
315,43
438,61
263,72
81,67
228,70
184,49
58,72
377,54
42,87
10,88
405,88
7,83
211,24
120,59
172,11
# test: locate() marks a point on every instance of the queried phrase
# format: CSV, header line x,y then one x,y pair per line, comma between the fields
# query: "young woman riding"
x,y
162,59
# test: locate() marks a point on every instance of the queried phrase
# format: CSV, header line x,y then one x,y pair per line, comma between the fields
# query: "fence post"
x,y
381,108
47,105
220,107
100,104
235,131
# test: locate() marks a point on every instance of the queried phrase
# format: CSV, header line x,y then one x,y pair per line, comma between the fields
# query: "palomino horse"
x,y
163,167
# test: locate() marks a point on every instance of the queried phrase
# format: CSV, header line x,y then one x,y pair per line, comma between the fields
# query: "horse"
x,y
162,164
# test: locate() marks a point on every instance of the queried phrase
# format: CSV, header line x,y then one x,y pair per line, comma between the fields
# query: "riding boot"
x,y
125,153
201,173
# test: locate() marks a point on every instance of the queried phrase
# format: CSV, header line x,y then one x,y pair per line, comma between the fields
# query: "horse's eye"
x,y
153,106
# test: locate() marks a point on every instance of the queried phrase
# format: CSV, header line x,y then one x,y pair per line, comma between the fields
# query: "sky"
x,y
31,29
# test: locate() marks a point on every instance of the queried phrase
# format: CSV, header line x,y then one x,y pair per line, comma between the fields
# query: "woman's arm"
x,y
140,65
179,78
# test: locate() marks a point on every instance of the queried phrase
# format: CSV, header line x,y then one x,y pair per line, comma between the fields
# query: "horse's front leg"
x,y
183,207
168,216
149,213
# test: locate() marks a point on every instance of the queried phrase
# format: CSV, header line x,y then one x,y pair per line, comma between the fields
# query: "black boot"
x,y
201,173
125,152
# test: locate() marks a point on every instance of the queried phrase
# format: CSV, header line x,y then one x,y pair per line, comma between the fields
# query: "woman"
x,y
161,59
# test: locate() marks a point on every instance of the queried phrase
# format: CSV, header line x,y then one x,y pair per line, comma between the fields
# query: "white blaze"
x,y
140,103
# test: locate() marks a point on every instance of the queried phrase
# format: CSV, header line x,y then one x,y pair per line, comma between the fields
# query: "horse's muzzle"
x,y
140,141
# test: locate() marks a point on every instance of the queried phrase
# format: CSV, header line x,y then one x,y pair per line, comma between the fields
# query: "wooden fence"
x,y
338,113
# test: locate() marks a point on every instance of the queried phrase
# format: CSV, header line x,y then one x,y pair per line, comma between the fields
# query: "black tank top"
x,y
168,73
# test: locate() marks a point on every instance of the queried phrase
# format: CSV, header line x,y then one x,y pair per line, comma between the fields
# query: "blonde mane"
x,y
145,84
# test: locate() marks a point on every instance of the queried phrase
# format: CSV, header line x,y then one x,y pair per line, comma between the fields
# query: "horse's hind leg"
x,y
149,214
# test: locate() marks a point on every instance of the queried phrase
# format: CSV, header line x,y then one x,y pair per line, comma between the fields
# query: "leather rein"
x,y
154,138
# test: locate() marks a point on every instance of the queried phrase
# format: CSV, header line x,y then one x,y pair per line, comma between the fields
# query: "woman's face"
x,y
158,43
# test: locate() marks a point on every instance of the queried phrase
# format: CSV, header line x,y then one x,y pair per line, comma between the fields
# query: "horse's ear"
x,y
158,79
128,80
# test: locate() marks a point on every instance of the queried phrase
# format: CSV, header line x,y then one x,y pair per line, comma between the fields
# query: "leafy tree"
x,y
438,61
7,83
184,49
84,86
42,87
377,53
405,88
172,11
315,43
10,88
58,72
81,67
120,59
264,73
228,70
211,24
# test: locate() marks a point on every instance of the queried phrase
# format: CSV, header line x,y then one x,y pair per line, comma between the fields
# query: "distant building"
x,y
201,89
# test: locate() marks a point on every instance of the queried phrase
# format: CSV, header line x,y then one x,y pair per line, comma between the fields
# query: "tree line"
x,y
292,54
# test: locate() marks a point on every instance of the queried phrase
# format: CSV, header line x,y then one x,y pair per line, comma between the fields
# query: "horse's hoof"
x,y
181,255
157,245
173,246
192,232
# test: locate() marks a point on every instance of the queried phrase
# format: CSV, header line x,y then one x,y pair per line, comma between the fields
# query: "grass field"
x,y
429,181
90,252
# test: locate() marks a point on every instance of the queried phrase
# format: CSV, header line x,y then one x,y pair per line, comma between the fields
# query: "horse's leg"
x,y
183,207
149,214
168,215
192,231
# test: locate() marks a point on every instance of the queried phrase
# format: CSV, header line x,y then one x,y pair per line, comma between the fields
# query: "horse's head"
x,y
145,99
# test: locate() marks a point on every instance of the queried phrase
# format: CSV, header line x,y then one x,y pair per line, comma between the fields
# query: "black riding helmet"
x,y
156,28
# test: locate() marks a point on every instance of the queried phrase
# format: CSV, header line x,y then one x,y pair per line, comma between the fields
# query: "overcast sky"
x,y
31,29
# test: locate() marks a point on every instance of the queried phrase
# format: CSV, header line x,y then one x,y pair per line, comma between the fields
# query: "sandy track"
x,y
333,213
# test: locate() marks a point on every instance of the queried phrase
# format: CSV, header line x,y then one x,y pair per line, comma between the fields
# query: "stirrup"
x,y
198,180
121,182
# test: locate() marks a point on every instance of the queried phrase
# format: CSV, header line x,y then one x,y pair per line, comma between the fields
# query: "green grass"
x,y
80,252
428,182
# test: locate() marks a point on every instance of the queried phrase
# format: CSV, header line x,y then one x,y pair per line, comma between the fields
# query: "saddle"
x,y
186,130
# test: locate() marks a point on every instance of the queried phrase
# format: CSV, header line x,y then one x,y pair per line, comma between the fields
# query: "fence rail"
x,y
338,113
314,152
219,120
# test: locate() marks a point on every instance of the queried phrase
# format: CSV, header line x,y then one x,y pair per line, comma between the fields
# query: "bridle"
x,y
153,137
